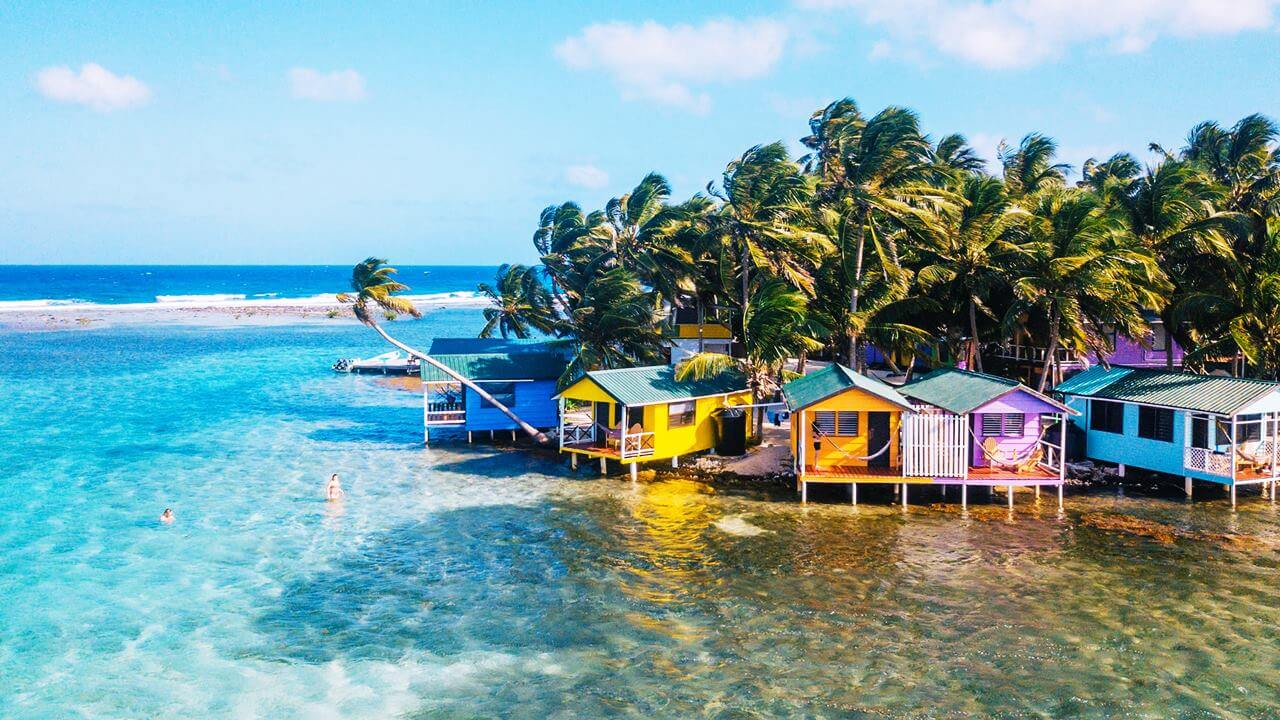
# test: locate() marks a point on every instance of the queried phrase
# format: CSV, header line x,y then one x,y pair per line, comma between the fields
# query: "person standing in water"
x,y
333,491
166,517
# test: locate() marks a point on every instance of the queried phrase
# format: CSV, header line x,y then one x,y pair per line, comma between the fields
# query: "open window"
x,y
503,392
1106,416
1155,423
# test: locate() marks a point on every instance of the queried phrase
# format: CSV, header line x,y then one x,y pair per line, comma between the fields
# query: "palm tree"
x,y
519,302
373,286
971,261
779,327
1082,272
1029,168
760,224
875,176
614,322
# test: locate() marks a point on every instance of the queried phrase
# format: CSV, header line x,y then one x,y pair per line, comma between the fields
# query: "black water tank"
x,y
731,431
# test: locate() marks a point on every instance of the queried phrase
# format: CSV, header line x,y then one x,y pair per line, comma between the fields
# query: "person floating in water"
x,y
166,517
333,491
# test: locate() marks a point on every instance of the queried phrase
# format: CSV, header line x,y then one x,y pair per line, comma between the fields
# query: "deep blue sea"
x,y
37,285
490,581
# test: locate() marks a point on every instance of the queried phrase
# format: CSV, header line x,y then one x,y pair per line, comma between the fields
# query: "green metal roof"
x,y
497,366
960,391
656,384
473,345
833,379
1184,391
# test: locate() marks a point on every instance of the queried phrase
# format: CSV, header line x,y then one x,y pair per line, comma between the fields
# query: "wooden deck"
x,y
594,450
979,476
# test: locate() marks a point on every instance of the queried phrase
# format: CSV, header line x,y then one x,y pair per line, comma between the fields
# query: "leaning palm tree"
x,y
1082,272
519,304
373,287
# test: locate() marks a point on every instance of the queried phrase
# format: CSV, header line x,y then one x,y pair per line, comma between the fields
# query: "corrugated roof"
x,y
1185,391
655,384
818,386
958,391
472,345
497,366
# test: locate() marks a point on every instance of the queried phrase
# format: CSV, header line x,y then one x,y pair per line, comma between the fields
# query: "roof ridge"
x,y
1185,373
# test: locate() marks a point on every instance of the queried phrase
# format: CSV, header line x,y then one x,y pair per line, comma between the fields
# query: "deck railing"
x,y
574,433
1207,461
446,413
636,445
1051,459
1029,353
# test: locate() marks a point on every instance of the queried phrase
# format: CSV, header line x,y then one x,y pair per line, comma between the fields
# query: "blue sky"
x,y
435,133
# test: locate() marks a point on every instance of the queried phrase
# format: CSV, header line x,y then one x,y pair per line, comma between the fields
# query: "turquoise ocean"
x,y
488,580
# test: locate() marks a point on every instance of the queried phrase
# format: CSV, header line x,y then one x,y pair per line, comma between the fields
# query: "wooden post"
x,y
1059,497
904,496
513,436
801,443
604,467
1232,456
1120,470
634,473
468,437
560,416
1009,492
675,461
854,487
804,491
1233,495
426,416
1186,486
964,497
573,460
1037,493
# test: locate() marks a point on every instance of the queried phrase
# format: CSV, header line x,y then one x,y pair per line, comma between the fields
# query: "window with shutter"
x,y
992,424
1014,424
825,422
847,423
1106,416
1155,423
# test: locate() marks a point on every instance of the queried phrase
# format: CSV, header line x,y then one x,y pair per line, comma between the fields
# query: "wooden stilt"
x,y
1037,492
1009,492
854,488
964,497
513,436
426,435
1120,470
904,495
1233,496
604,466
573,460
1186,486
1059,497
675,461
804,491
635,473
468,437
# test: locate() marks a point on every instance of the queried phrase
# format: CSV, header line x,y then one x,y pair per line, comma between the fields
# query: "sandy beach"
x,y
229,313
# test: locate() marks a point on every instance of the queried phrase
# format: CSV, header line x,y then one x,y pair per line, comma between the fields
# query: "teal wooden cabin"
x,y
1215,429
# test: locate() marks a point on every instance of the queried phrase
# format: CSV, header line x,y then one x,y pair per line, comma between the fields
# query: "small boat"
x,y
392,363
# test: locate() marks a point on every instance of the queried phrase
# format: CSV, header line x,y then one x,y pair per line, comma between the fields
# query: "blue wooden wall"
x,y
1138,452
535,404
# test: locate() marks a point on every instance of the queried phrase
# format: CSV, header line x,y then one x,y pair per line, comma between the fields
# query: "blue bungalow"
x,y
520,374
1222,430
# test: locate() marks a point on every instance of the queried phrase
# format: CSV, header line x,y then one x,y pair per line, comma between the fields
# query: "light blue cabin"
x,y
1203,427
521,375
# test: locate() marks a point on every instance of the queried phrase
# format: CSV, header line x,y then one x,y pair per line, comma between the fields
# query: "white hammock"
x,y
847,454
1018,457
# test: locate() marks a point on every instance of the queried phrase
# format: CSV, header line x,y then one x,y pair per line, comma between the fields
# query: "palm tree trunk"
x,y
801,359
533,432
1051,350
746,269
975,362
853,295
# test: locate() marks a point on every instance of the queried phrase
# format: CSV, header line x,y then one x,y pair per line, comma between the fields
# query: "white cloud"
x,y
336,86
587,176
1022,33
94,86
667,64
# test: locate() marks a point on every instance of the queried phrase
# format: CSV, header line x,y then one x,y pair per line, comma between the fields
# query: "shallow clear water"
x,y
482,581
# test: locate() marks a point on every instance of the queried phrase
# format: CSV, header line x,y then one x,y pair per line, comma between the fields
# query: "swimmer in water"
x,y
333,491
166,517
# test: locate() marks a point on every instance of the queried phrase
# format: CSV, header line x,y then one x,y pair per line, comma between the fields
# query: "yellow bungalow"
x,y
644,414
845,429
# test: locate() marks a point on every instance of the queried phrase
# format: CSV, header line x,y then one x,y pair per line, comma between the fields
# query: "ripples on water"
x,y
474,581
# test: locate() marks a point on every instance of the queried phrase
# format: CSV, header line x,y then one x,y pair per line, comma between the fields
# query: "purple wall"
x,y
1019,401
1129,352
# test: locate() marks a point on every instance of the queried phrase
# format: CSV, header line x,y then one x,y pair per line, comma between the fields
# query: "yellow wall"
x,y
847,450
710,331
667,442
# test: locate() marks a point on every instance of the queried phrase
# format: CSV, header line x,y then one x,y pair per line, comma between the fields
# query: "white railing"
x,y
934,445
445,412
1207,461
574,433
636,445
1051,459
1030,353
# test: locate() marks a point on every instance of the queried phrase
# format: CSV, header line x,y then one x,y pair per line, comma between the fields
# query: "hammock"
x,y
848,454
1256,464
1021,461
